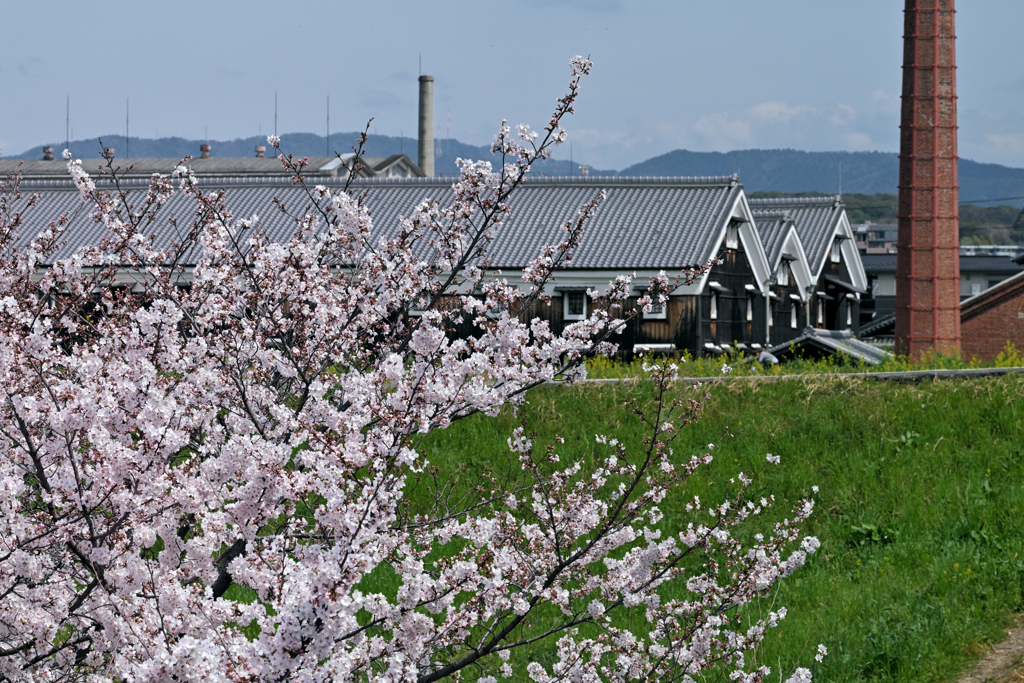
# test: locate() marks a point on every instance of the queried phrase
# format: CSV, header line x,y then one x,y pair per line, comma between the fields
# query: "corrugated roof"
x,y
815,218
644,223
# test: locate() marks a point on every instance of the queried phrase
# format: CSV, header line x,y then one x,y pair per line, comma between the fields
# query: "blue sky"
x,y
708,75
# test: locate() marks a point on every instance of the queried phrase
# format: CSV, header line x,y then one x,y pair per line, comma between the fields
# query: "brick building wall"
x,y
992,318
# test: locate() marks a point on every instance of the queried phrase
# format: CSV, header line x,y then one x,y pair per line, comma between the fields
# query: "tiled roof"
x,y
831,342
772,226
644,223
815,218
213,166
879,263
886,263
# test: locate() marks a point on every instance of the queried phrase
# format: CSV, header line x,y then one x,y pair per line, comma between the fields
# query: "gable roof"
x,y
993,296
781,240
772,226
644,223
818,220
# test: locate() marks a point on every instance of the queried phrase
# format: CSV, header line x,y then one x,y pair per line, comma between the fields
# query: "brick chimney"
x,y
204,151
48,153
261,151
928,250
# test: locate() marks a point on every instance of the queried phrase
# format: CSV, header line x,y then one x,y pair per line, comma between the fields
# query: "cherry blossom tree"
x,y
204,466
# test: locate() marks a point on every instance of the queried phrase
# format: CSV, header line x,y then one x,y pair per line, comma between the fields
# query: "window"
x,y
783,275
793,313
849,314
771,314
750,307
975,288
575,305
714,305
732,236
821,313
657,312
837,251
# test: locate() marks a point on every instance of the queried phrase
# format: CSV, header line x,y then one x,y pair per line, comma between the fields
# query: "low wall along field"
x,y
919,509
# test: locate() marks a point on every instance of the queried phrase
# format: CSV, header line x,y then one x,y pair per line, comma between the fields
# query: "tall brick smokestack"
x,y
928,251
426,156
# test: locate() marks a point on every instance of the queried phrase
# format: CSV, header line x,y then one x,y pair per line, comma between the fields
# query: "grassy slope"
x,y
919,512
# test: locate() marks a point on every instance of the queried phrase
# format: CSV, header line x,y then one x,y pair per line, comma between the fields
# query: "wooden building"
x,y
790,284
835,265
643,226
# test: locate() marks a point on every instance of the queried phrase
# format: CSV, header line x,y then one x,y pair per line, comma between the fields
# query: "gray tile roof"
x,y
772,227
831,342
213,166
886,263
815,218
644,223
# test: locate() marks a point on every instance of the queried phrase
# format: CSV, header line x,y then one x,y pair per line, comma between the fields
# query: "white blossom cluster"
x,y
171,446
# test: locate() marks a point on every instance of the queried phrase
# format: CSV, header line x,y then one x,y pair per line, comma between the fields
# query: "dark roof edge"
x,y
281,181
991,297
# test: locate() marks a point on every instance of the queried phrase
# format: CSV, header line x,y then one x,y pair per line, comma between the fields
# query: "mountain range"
x,y
761,170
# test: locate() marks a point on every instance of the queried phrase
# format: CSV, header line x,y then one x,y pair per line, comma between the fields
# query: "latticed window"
x,y
783,275
575,305
837,251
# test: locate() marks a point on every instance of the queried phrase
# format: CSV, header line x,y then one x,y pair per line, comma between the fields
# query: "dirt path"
x,y
1003,662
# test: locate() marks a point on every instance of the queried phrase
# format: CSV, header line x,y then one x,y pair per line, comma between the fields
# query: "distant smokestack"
x,y
108,153
261,151
47,153
426,151
204,151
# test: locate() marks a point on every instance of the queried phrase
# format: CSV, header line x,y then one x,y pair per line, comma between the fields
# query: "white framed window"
x,y
750,307
574,305
714,306
658,312
821,313
782,276
793,313
837,251
975,288
732,236
849,314
771,314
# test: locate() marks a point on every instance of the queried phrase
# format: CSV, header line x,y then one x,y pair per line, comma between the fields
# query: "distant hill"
x,y
761,170
788,170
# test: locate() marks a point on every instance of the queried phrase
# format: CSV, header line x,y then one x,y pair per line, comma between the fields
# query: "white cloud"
x,y
722,131
772,112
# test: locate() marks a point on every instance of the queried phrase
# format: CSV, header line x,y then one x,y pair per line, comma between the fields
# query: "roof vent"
x,y
48,153
108,153
204,151
261,151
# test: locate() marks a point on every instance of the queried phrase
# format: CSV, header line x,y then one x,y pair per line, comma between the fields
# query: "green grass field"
x,y
919,511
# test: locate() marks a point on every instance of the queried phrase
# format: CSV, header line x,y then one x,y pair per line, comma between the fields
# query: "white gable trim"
x,y
791,244
750,240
